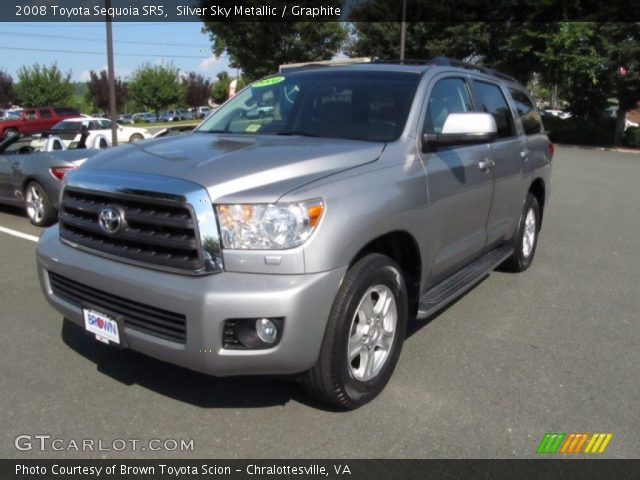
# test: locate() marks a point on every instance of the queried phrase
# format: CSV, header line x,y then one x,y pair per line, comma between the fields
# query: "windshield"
x,y
370,105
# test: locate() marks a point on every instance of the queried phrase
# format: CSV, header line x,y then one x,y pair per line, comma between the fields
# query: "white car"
x,y
102,126
558,113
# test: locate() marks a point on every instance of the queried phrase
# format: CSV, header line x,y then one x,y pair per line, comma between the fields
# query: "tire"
x,y
10,132
336,380
136,137
526,239
38,205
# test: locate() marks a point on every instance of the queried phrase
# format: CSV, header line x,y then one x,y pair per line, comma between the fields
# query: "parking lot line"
x,y
16,233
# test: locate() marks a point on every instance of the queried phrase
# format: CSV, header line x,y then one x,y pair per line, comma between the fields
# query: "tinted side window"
x,y
531,122
45,113
448,96
491,100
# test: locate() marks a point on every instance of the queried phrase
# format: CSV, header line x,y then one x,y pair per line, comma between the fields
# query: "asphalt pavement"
x,y
554,349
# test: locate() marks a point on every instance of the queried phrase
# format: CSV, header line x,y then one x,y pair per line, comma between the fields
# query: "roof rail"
x,y
290,67
449,62
406,61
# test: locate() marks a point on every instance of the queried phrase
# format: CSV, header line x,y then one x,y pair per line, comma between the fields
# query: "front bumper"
x,y
207,301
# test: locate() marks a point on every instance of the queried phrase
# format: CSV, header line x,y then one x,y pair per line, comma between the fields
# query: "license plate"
x,y
103,326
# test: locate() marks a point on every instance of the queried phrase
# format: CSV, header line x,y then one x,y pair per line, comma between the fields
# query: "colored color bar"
x,y
550,442
566,447
591,442
581,443
596,446
606,441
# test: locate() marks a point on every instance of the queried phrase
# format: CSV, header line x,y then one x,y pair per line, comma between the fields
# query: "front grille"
x,y
138,316
153,231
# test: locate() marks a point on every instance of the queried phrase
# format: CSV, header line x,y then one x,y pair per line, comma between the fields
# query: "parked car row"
x,y
34,163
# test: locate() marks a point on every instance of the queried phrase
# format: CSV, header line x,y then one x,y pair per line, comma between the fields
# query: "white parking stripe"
x,y
15,233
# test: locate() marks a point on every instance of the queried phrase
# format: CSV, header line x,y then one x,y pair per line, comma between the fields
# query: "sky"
x,y
79,47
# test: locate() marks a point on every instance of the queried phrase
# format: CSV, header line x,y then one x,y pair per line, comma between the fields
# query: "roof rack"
x,y
291,67
450,62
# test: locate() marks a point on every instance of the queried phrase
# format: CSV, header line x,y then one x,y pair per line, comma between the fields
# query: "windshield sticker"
x,y
254,127
268,81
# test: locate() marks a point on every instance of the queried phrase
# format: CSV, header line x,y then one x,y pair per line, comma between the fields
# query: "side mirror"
x,y
462,129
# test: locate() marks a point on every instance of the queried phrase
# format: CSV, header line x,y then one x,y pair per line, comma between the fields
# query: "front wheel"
x,y
364,335
526,239
39,208
136,137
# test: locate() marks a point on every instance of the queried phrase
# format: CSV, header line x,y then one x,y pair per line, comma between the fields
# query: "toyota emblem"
x,y
110,220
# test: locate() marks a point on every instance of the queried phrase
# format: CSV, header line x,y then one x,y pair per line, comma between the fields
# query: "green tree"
x,y
623,53
7,93
424,40
42,85
156,87
575,59
197,89
98,91
220,89
259,48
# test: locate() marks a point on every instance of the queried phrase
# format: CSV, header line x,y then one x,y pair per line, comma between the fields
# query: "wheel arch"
x,y
402,248
538,190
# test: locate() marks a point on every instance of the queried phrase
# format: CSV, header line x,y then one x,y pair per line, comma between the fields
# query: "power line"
x,y
65,37
2,47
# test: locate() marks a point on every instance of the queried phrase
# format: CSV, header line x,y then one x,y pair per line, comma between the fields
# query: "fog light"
x,y
252,333
266,330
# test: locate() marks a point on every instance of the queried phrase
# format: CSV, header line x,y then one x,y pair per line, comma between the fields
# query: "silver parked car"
x,y
303,242
32,167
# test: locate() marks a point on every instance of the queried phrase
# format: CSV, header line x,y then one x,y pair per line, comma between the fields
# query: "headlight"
x,y
268,226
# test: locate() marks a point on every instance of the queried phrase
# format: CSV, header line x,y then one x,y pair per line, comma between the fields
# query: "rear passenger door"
x,y
507,157
459,188
45,119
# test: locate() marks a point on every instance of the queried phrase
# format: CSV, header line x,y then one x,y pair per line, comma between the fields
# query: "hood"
x,y
236,168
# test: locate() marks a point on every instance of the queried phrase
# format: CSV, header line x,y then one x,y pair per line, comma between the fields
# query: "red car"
x,y
36,120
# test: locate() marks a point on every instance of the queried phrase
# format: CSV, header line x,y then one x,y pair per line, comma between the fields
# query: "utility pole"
x,y
111,79
403,30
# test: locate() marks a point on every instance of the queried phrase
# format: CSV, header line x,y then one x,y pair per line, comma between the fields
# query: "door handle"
x,y
524,154
486,164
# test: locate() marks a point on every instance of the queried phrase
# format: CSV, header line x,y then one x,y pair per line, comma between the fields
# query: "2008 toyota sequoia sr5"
x,y
301,240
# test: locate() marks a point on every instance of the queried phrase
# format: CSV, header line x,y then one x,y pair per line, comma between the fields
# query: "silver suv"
x,y
301,243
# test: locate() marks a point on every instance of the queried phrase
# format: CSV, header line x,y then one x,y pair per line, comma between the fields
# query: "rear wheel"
x,y
38,205
364,335
526,239
10,132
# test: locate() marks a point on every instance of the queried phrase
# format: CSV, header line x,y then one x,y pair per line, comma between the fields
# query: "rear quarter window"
x,y
529,115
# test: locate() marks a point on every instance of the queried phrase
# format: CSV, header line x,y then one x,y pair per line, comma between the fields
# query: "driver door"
x,y
459,188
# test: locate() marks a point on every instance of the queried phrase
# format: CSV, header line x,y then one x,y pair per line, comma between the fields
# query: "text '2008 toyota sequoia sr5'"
x,y
301,241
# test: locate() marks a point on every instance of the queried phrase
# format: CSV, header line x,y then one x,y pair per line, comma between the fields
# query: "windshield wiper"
x,y
296,132
211,131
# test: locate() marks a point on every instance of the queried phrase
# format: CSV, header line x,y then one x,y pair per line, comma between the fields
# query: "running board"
x,y
451,288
